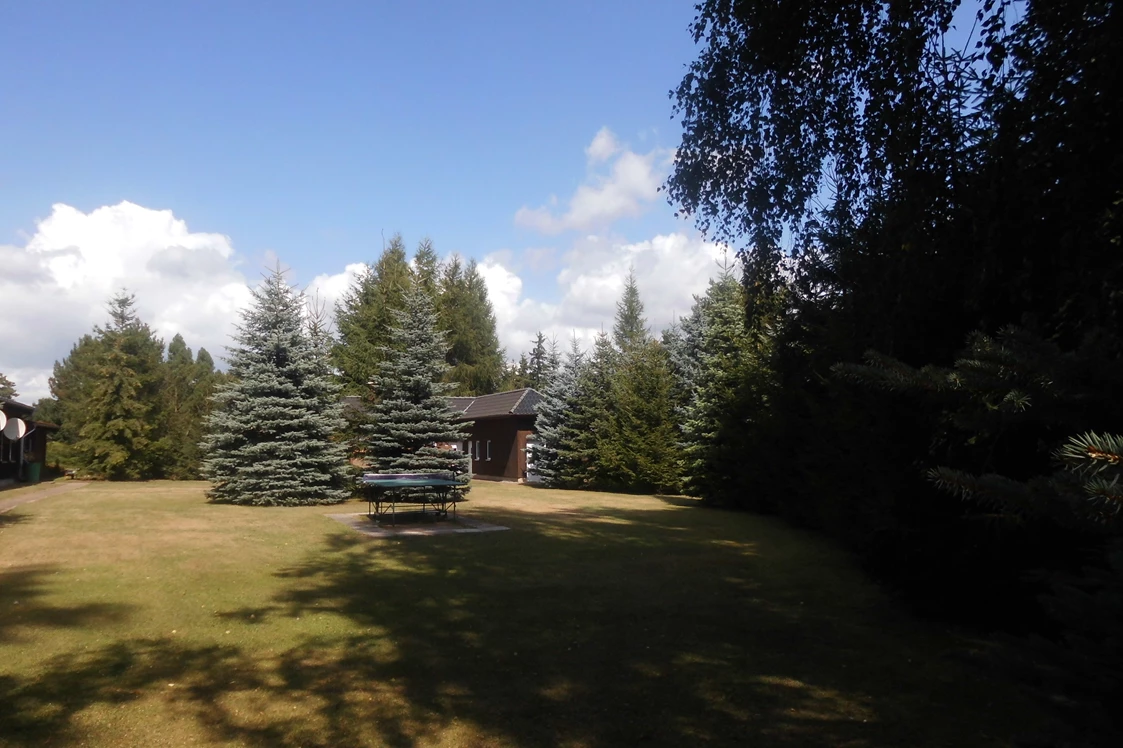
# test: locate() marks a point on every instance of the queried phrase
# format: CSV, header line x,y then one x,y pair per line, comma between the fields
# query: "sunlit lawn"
x,y
141,615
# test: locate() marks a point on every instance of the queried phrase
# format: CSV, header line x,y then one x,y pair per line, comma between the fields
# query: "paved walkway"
x,y
49,489
461,525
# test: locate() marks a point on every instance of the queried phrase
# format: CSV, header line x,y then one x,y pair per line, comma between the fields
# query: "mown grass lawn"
x,y
139,614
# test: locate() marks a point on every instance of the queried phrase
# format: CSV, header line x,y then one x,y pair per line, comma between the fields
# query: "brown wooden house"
x,y
500,425
22,459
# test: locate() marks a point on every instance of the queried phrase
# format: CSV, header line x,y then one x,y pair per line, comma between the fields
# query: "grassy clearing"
x,y
141,615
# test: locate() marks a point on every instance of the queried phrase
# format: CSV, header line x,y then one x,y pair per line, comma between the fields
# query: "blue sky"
x,y
525,135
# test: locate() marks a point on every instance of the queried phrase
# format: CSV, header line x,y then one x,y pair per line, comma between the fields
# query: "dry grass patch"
x,y
140,614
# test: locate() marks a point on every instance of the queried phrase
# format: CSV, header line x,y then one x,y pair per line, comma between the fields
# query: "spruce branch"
x,y
995,491
1091,453
887,373
1106,497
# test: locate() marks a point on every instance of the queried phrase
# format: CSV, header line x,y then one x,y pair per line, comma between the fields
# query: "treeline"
x,y
365,315
127,411
932,239
642,414
277,435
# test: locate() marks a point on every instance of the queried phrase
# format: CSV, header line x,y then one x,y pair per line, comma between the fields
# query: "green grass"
x,y
141,615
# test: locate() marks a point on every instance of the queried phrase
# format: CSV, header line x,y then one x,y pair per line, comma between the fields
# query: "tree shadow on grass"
x,y
42,710
609,628
23,606
8,519
587,628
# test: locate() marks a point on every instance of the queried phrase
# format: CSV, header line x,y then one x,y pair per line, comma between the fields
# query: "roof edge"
x,y
520,400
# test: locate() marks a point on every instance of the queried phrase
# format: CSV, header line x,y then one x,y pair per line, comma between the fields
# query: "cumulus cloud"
x,y
329,288
629,187
670,269
604,146
56,286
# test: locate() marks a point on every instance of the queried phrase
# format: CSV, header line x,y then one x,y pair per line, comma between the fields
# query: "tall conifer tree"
x,y
269,438
189,383
182,454
542,362
118,426
364,316
427,268
71,383
630,328
640,451
714,424
637,444
466,316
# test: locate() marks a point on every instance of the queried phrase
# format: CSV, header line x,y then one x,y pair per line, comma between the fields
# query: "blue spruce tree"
x,y
589,419
554,450
411,416
721,393
269,439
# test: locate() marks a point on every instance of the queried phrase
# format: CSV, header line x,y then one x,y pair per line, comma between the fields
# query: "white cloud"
x,y
626,191
604,146
670,269
517,318
328,289
55,287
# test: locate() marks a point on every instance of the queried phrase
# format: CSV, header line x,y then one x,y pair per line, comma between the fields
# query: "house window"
x,y
489,449
477,450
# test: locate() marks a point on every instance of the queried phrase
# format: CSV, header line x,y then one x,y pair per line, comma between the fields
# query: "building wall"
x,y
16,455
507,438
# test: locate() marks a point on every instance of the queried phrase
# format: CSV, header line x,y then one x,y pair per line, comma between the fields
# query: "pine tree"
x,y
554,445
639,452
7,388
553,358
427,268
189,383
629,332
411,417
269,437
182,453
543,362
364,316
115,441
466,317
513,375
119,426
71,383
636,432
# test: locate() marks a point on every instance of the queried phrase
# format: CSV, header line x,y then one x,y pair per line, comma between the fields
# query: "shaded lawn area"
x,y
138,614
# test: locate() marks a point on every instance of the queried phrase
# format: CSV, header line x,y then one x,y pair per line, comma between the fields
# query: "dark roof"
x,y
460,404
12,405
20,410
514,403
